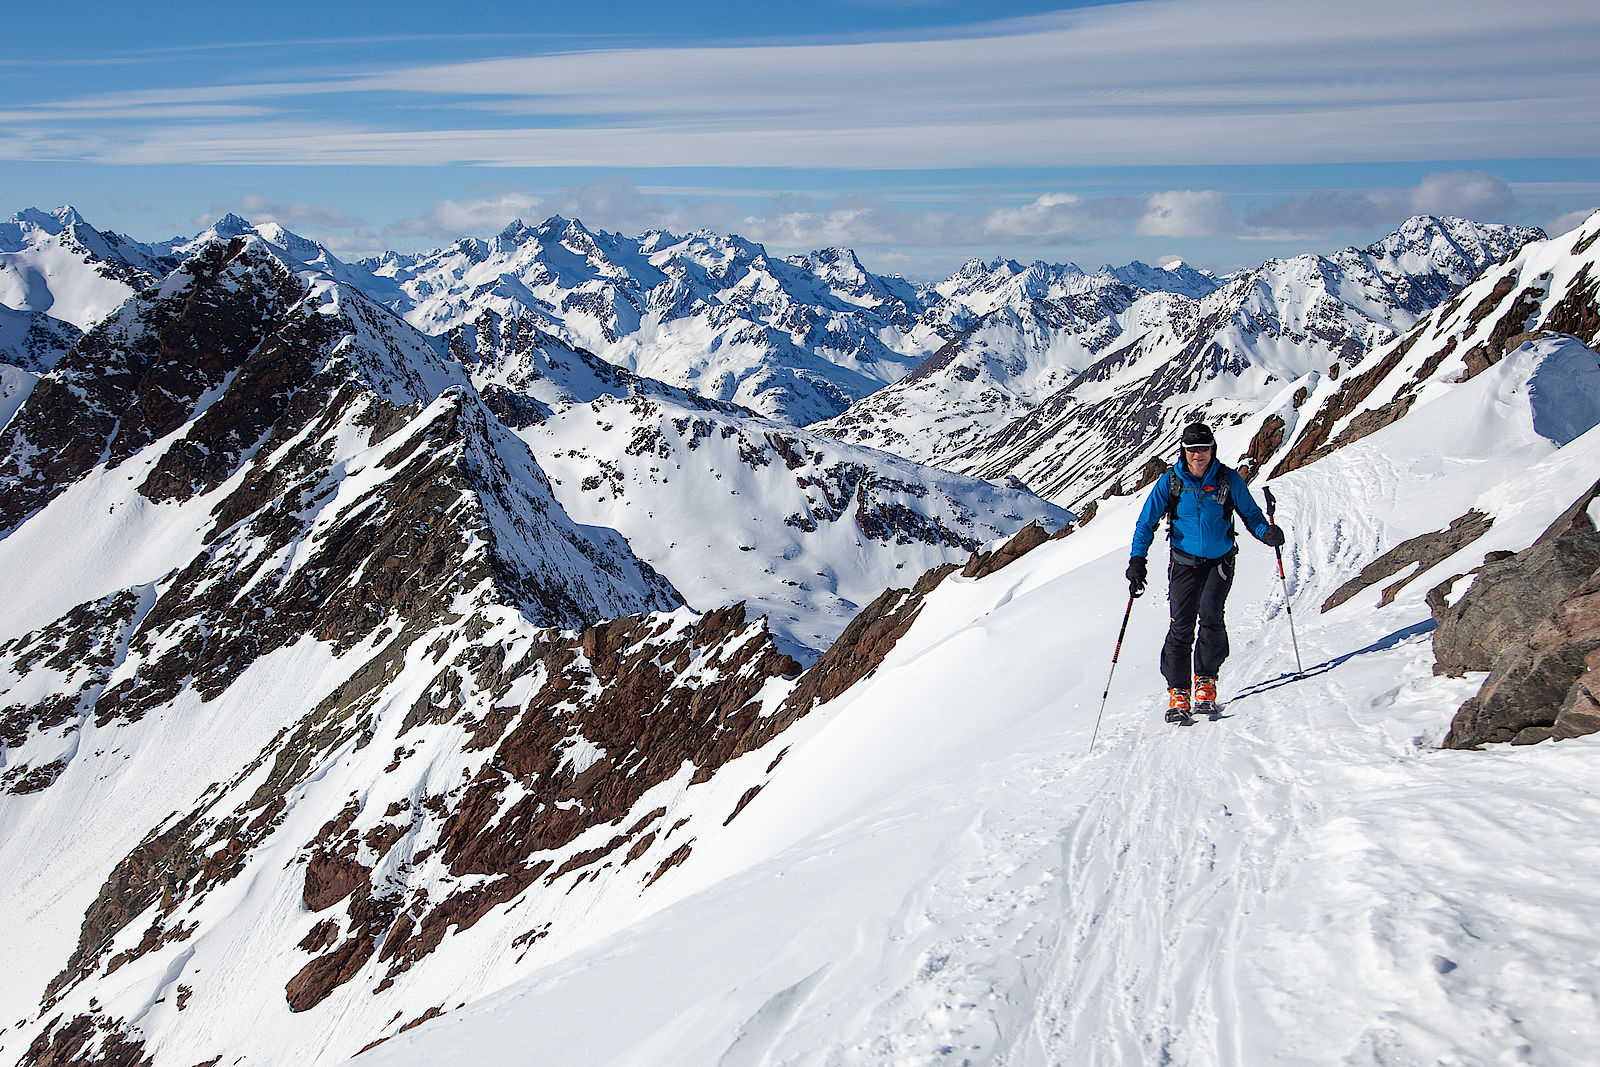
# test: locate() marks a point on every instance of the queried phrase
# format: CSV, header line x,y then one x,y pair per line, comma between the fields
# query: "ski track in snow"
x,y
1306,880
1291,883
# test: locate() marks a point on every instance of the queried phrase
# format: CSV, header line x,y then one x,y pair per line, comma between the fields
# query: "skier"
x,y
1199,496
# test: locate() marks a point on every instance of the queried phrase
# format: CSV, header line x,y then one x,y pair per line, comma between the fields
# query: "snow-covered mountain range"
x,y
797,338
1072,388
354,674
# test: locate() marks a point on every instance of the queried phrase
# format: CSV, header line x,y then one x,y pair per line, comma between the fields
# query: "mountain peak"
x,y
231,225
51,222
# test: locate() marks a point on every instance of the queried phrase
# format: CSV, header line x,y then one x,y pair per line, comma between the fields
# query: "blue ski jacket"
x,y
1200,529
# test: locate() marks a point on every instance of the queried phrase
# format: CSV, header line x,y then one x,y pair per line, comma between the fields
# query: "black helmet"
x,y
1198,433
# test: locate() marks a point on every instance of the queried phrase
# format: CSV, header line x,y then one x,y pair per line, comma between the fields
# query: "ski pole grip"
x,y
1272,504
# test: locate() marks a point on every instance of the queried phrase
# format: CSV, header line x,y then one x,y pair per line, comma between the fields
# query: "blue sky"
x,y
918,133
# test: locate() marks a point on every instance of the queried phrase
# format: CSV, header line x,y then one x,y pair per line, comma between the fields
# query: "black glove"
x,y
1136,576
1273,538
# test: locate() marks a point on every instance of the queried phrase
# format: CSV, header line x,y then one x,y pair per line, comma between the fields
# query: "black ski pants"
x,y
1196,592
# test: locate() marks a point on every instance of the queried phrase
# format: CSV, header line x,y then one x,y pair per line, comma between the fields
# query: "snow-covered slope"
x,y
807,530
941,870
58,264
58,277
727,505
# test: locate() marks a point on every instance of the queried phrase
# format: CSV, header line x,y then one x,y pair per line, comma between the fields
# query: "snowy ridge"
x,y
939,868
1546,295
58,264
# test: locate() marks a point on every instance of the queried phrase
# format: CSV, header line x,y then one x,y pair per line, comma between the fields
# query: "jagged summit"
x,y
52,222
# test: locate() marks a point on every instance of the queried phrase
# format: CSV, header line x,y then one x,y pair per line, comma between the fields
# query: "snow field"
x,y
940,872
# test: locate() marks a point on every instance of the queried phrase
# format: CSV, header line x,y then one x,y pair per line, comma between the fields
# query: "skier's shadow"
x,y
1403,634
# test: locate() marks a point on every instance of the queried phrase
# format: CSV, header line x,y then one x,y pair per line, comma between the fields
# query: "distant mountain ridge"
x,y
1072,397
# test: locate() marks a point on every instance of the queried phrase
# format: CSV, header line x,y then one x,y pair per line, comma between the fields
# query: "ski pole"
x,y
1272,507
1104,696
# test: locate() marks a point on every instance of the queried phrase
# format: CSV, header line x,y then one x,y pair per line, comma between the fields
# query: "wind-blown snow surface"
x,y
941,871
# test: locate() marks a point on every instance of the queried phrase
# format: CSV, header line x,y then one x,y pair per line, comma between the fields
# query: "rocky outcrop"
x,y
1533,621
141,375
1513,593
1265,442
1024,541
1419,553
864,644
89,1040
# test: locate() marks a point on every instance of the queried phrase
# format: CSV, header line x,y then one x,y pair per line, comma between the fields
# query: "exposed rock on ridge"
x,y
1533,621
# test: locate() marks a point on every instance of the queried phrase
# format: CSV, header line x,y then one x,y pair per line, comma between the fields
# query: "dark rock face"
x,y
139,376
1543,687
1423,551
1511,595
86,1041
1024,541
1533,621
1262,446
1318,439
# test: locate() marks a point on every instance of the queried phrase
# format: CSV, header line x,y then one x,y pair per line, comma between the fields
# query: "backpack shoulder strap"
x,y
1174,490
1225,491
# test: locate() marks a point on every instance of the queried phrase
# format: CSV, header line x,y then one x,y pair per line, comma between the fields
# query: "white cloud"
x,y
291,214
1055,217
1569,222
449,219
1470,194
1188,213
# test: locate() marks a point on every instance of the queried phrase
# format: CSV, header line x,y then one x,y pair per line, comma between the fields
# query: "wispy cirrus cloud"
x,y
1149,82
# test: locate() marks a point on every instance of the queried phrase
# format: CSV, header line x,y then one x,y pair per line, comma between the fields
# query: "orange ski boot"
x,y
1205,696
1177,705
